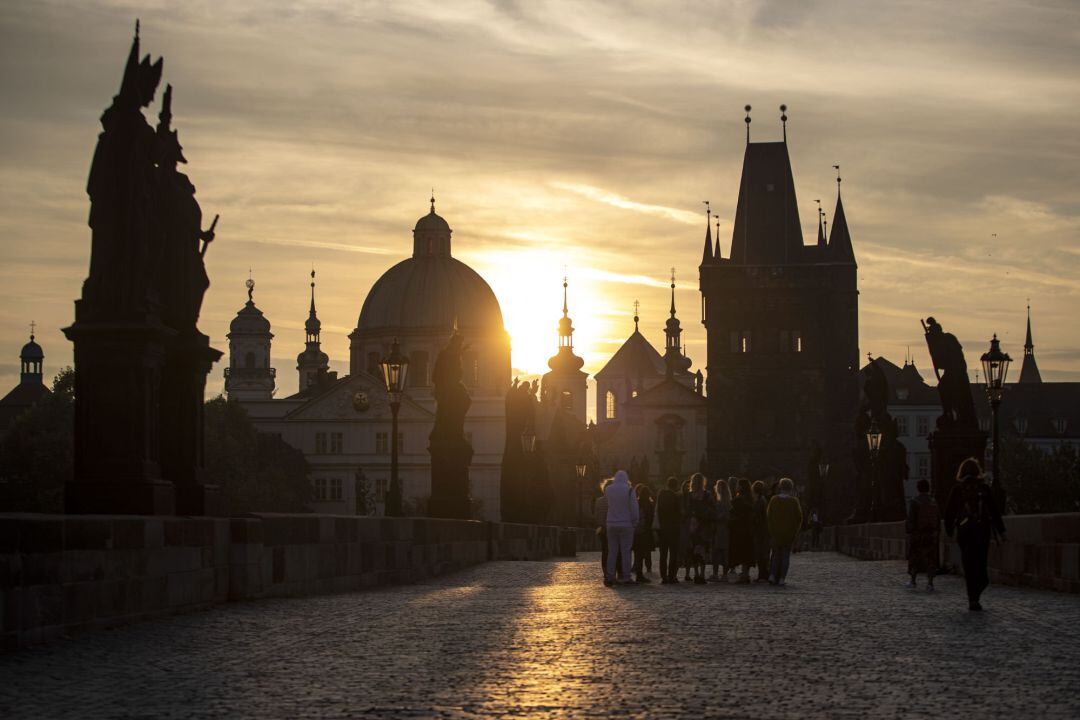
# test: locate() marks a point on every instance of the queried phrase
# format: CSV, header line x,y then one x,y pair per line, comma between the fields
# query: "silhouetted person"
x,y
701,526
742,529
622,518
600,510
643,533
669,519
784,520
974,516
815,530
684,530
923,528
722,532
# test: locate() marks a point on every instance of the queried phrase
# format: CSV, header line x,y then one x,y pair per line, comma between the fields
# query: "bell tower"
x,y
565,385
249,375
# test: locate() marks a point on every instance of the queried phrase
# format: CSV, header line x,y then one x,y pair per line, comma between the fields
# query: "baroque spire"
x,y
707,254
1029,371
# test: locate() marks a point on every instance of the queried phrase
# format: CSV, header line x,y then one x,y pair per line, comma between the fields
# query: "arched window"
x,y
567,400
373,364
249,359
418,370
609,411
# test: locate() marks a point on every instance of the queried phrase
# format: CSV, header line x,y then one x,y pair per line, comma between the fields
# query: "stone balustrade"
x,y
63,574
1042,551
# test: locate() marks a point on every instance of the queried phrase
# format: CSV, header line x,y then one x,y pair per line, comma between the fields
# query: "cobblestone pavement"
x,y
546,639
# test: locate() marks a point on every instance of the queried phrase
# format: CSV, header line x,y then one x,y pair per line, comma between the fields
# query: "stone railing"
x,y
63,574
1043,551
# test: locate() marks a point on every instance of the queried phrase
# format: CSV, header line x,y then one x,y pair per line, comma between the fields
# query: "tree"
x,y
1040,480
36,453
257,472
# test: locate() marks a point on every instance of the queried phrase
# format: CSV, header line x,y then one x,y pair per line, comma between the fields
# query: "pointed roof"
x,y
718,255
707,254
820,231
840,249
1029,371
637,358
312,326
767,229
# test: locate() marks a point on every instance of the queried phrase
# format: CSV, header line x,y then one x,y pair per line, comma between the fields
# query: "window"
x,y
382,443
380,489
922,426
336,442
567,400
418,368
901,426
335,489
320,488
796,341
609,409
320,443
1021,425
373,364
984,424
744,341
1059,425
924,466
249,360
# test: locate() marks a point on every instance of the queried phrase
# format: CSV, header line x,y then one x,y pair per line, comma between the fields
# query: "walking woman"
x,y
741,548
701,526
721,537
643,534
762,542
975,517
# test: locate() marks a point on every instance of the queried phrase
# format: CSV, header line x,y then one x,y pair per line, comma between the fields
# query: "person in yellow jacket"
x,y
784,519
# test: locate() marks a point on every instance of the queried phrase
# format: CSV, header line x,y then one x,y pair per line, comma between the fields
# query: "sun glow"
x,y
528,284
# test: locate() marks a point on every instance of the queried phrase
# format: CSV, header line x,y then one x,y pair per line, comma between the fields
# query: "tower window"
x,y
382,443
567,400
336,443
922,426
320,488
901,426
249,359
1059,425
796,341
744,341
609,410
335,489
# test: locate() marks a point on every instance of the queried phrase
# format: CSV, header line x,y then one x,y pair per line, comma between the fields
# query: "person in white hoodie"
x,y
622,518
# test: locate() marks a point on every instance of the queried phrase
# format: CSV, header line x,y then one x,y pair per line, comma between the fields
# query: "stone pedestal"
x,y
188,361
117,423
948,448
450,458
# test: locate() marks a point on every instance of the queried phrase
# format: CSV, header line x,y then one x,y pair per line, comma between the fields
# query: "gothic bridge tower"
x,y
782,329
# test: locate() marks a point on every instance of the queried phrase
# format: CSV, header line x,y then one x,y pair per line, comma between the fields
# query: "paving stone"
x,y
547,640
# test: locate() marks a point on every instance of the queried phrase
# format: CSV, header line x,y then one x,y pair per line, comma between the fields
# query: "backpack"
x,y
974,509
927,517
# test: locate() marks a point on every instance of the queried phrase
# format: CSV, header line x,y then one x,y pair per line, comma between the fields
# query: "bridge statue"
x,y
140,361
450,451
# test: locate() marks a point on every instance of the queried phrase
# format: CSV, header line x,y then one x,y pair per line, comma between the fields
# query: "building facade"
x,y
342,425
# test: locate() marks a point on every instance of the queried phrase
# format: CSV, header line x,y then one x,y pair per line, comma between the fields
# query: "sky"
x,y
577,137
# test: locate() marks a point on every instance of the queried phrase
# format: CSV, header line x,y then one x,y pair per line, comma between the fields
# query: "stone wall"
x,y
1043,551
66,574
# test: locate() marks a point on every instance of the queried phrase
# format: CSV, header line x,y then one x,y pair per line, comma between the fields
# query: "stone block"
x,y
128,533
173,532
10,570
198,532
9,534
42,568
154,533
182,588
245,531
80,602
327,529
41,534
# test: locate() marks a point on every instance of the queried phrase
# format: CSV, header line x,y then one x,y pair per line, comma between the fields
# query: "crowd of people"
x,y
729,526
734,526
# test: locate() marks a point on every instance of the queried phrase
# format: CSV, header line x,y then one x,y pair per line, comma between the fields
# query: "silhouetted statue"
x,y
947,355
183,278
451,453
140,361
125,247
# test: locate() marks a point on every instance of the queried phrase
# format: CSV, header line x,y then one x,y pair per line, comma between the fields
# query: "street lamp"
x,y
395,367
581,468
873,441
995,366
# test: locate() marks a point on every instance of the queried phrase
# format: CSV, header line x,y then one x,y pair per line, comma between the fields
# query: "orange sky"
x,y
564,134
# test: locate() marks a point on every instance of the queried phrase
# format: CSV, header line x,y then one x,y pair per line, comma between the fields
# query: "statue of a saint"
x,y
954,388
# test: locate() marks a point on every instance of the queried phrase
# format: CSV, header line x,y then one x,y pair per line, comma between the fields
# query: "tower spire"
x,y
820,226
783,120
637,306
565,360
1029,371
717,255
672,292
312,327
707,254
747,109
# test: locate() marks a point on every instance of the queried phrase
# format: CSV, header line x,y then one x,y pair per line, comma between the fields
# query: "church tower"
x,y
249,375
313,362
566,383
783,336
675,362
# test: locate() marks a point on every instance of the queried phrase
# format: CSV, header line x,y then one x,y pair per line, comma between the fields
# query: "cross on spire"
x,y
672,292
433,200
33,326
637,307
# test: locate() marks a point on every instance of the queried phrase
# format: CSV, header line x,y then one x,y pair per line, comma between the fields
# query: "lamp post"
x,y
995,366
873,441
583,496
819,489
395,367
528,441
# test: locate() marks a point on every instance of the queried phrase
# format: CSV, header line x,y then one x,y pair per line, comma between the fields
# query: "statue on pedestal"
x,y
451,452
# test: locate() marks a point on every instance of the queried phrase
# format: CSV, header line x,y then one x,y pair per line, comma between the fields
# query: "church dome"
x,y
430,291
249,321
32,351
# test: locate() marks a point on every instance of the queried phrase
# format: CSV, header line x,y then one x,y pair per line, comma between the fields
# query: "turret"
x,y
249,375
313,362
